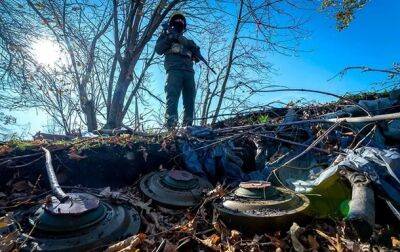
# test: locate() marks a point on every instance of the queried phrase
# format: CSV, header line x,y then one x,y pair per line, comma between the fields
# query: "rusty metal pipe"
x,y
55,187
361,217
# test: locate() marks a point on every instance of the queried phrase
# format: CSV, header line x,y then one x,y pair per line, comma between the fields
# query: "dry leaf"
x,y
214,239
5,149
235,235
21,186
335,242
313,243
169,247
295,231
278,243
129,244
75,156
221,228
7,242
230,248
211,242
189,226
144,205
395,242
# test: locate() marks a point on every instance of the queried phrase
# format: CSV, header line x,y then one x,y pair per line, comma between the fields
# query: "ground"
x,y
115,164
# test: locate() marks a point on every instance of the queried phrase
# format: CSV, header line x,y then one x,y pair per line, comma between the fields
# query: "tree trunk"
x,y
134,48
90,114
115,116
204,107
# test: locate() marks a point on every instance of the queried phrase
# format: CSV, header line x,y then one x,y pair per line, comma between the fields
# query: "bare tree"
x,y
241,51
76,27
79,36
110,58
134,24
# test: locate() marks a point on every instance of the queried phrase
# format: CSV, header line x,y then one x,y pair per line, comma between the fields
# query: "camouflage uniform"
x,y
178,63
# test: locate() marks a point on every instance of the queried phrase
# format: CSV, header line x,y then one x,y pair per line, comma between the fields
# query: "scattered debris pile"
x,y
302,178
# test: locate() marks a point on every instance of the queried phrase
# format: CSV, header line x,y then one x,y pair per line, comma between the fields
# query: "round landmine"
x,y
257,206
81,223
174,188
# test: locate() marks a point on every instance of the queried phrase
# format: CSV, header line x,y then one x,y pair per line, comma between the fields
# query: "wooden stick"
x,y
359,119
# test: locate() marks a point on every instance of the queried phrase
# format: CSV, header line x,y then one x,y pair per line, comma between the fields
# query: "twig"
x,y
313,91
27,164
364,69
161,246
297,143
319,139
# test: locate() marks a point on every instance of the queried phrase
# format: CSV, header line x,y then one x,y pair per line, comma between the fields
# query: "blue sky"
x,y
373,39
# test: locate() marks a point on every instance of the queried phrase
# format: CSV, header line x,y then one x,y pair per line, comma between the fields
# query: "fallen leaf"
x,y
129,244
278,243
189,226
214,239
221,228
75,156
144,205
5,149
7,242
211,242
395,242
335,242
21,186
313,243
235,235
295,231
169,247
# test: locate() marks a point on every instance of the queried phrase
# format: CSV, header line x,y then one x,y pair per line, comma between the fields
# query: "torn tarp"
x,y
205,156
382,167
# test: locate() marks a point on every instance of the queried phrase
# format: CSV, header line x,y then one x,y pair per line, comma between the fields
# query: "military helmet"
x,y
177,15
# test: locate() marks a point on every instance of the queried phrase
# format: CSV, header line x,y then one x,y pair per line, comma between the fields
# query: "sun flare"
x,y
47,53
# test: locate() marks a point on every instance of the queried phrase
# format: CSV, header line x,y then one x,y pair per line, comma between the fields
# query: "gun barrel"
x,y
200,57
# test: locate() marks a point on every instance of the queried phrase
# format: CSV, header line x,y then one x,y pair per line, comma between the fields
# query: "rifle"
x,y
196,53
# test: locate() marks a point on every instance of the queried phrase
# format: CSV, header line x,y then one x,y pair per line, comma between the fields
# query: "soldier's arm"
x,y
163,43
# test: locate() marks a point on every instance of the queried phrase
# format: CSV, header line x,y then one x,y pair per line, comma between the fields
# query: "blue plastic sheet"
x,y
216,162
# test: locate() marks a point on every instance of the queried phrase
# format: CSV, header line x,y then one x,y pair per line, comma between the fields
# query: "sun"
x,y
48,53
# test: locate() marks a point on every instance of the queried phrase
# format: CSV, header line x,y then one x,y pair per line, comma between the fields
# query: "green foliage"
x,y
21,145
366,95
263,119
344,10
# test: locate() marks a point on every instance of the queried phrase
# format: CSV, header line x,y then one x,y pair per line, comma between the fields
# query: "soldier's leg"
x,y
189,96
173,89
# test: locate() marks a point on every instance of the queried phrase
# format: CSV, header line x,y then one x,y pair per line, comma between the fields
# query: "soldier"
x,y
179,56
